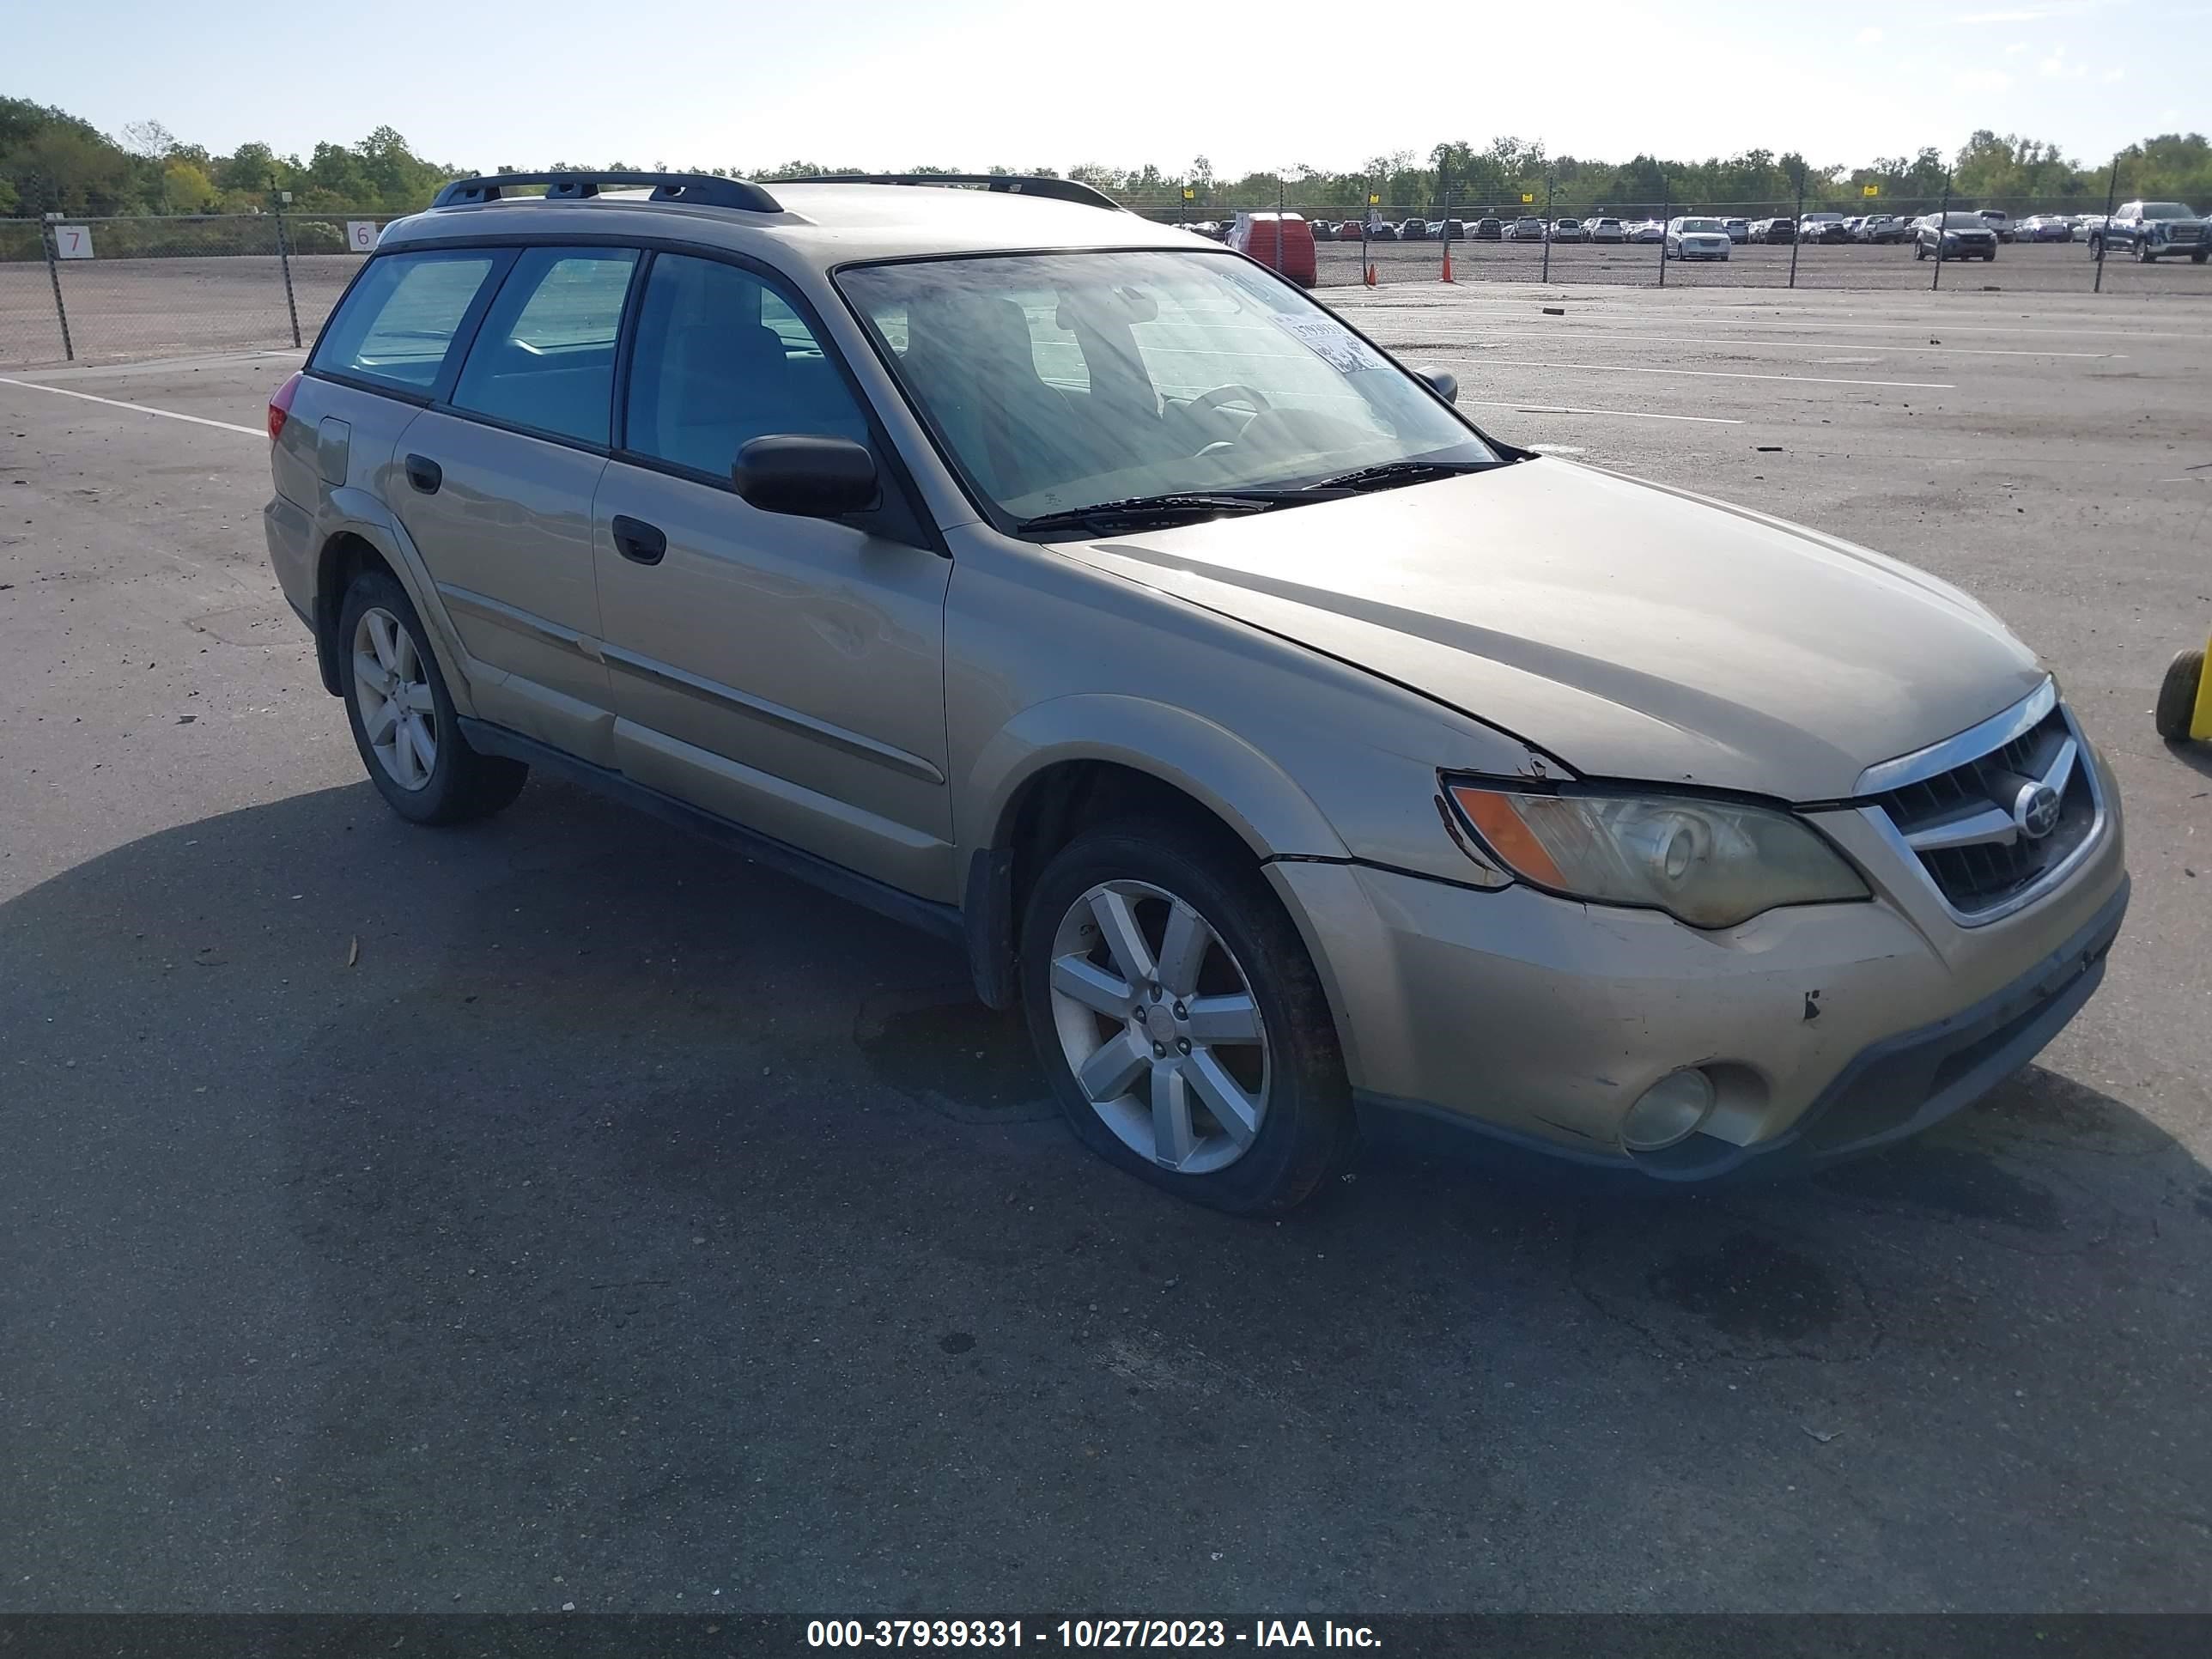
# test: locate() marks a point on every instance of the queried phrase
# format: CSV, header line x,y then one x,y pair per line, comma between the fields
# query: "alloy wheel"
x,y
1159,1025
392,689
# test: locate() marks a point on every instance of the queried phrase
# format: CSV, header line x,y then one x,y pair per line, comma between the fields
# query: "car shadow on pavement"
x,y
561,1209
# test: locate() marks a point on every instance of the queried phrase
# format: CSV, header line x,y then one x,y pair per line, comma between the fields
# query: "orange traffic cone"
x,y
1371,281
1448,276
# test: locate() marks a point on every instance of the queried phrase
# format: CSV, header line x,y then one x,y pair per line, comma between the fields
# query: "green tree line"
x,y
52,161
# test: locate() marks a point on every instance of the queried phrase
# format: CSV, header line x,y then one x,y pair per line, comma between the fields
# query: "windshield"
x,y
1963,222
1696,225
1059,381
2166,211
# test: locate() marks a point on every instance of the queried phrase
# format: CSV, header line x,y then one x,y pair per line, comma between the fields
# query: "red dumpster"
x,y
1266,236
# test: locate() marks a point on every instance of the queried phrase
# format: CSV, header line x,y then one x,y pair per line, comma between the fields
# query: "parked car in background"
x,y
2046,227
1568,230
1884,228
1448,230
1413,230
1381,231
1999,222
1350,230
1955,235
1739,230
1192,719
1323,230
1281,242
1524,230
1823,228
1488,228
1783,228
1647,230
1607,229
1696,239
2153,231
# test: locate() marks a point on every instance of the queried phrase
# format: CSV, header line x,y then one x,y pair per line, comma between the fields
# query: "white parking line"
x,y
1566,409
1712,374
143,409
1817,345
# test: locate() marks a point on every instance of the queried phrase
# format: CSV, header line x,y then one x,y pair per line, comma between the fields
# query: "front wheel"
x,y
1180,1019
2143,255
2200,257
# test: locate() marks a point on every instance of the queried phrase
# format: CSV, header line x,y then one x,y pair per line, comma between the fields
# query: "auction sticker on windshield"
x,y
1329,340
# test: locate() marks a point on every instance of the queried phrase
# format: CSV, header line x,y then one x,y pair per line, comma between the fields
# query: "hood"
x,y
1631,630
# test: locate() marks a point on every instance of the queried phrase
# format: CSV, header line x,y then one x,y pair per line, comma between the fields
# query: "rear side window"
x,y
397,322
545,358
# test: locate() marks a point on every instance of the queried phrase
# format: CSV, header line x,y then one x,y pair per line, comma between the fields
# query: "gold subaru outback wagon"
x,y
1302,760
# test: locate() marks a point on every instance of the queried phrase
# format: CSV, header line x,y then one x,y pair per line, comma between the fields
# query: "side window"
x,y
721,358
546,356
398,321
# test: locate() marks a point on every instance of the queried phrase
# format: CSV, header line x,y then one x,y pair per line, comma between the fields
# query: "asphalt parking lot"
x,y
558,1212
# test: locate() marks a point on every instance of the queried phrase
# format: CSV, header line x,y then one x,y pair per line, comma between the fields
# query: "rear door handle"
x,y
639,542
425,474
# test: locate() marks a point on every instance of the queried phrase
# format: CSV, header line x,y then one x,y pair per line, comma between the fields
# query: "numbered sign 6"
x,y
361,235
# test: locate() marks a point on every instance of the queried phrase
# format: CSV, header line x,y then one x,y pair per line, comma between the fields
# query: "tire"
x,y
1919,253
459,784
2199,258
2143,255
1293,1112
2177,696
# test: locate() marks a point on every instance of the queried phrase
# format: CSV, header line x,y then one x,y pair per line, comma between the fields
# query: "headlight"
x,y
1711,864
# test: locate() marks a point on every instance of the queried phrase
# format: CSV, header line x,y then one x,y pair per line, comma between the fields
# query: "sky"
x,y
1250,84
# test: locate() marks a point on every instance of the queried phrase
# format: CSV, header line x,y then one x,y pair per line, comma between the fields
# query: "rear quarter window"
x,y
395,326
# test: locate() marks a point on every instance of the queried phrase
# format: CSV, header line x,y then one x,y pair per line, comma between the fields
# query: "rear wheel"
x,y
1180,1019
402,717
2177,696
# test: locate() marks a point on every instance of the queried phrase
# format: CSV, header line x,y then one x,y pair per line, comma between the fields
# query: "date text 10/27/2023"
x,y
1085,1633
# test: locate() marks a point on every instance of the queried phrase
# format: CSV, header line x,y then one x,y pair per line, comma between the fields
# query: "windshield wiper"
x,y
1388,474
1172,508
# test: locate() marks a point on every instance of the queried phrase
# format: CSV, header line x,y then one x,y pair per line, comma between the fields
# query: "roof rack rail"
x,y
1013,183
694,189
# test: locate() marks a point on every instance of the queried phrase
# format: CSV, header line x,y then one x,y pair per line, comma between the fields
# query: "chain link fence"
x,y
2042,247
108,290
122,289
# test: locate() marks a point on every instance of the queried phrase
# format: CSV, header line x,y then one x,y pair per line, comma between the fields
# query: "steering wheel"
x,y
1208,402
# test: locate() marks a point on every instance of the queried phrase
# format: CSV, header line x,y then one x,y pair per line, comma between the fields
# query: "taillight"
x,y
280,406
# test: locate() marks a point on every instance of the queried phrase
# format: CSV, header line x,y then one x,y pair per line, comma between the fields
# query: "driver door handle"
x,y
639,542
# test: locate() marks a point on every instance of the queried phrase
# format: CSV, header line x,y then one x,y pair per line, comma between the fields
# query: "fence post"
x,y
1943,220
54,275
285,259
1797,228
1666,206
1546,276
1281,198
2104,231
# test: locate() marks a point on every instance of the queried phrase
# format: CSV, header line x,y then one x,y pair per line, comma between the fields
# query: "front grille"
x,y
2187,234
1958,823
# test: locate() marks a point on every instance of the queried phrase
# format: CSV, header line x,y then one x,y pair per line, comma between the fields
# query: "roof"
x,y
822,223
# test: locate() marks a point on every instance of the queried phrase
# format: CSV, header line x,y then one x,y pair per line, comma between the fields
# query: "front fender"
x,y
1263,804
357,512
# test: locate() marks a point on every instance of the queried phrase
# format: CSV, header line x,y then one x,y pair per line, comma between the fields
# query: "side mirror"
x,y
1445,382
810,478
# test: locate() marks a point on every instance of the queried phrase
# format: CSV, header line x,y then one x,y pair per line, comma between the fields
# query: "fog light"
x,y
1669,1110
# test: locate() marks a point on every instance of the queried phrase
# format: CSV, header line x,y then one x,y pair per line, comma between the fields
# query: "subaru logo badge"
x,y
2035,809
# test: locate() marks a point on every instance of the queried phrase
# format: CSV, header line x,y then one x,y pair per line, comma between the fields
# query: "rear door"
x,y
785,672
495,483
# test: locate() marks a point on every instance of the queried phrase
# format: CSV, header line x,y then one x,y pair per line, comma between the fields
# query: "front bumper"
x,y
1540,1021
